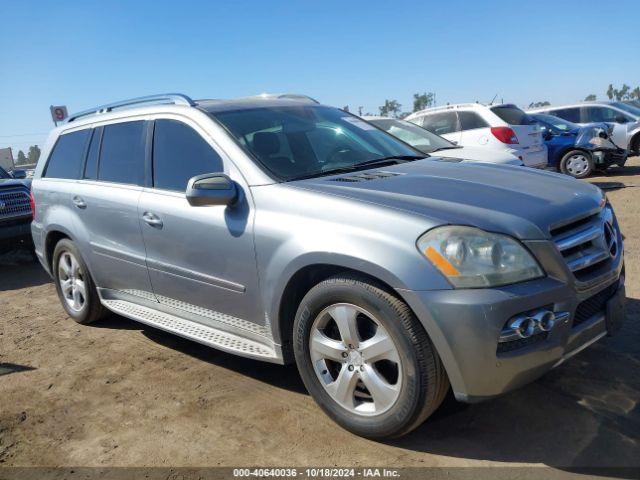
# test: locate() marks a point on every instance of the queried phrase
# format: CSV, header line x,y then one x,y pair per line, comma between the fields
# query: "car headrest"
x,y
266,143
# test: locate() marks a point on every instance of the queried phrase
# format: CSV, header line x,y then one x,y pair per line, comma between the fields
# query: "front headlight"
x,y
472,258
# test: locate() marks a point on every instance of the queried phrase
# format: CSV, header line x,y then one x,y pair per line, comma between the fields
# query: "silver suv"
x,y
283,230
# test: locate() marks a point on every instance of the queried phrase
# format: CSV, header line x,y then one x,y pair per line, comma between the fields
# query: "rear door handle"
x,y
79,202
152,219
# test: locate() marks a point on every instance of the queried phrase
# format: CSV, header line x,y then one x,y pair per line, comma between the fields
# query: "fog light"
x,y
524,326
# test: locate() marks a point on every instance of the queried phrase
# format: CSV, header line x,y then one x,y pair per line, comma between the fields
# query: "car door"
x,y
445,124
106,203
200,259
474,129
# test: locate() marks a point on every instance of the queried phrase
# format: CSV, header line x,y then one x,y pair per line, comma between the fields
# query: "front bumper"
x,y
15,233
465,325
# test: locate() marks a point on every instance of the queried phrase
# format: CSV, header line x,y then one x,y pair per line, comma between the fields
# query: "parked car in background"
x,y
433,144
498,127
288,231
577,150
16,212
634,103
627,117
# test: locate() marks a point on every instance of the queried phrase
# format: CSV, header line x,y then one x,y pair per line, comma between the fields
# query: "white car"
x,y
498,127
432,144
624,116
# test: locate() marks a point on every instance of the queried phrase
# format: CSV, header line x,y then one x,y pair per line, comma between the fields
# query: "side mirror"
x,y
19,174
621,119
211,189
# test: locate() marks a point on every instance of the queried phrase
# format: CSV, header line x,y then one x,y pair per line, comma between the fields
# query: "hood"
x,y
522,202
479,154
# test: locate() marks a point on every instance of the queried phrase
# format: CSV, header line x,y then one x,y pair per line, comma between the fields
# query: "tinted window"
x,y
412,134
441,123
570,114
122,153
512,115
91,167
180,153
600,114
471,120
67,155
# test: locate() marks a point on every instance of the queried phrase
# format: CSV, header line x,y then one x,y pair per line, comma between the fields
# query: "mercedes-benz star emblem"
x,y
610,239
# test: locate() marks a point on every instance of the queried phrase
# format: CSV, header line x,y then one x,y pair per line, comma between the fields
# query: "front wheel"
x,y
366,359
577,163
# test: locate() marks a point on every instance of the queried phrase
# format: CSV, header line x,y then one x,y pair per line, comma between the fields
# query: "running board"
x,y
197,332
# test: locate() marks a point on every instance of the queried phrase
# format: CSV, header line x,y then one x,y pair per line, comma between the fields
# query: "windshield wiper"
x,y
446,148
376,162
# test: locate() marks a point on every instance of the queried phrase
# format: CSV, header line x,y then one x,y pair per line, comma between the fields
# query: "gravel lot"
x,y
122,394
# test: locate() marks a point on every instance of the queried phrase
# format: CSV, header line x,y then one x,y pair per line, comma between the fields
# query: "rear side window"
x,y
471,120
600,114
570,114
180,153
512,115
122,153
441,123
67,155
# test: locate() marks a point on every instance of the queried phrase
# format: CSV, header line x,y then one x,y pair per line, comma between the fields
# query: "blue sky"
x,y
357,53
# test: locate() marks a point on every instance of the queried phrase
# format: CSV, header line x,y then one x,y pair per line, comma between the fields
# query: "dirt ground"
x,y
122,394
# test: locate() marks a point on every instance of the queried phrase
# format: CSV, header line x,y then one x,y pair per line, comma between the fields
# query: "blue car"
x,y
579,150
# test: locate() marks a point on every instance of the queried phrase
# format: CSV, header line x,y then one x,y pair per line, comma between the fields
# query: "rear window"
x,y
67,155
512,115
122,153
441,123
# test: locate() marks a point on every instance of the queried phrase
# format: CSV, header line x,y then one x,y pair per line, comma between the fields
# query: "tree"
x,y
590,98
423,100
34,154
610,92
636,93
539,104
22,159
624,93
391,108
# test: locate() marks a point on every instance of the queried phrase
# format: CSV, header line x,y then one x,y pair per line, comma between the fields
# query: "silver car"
x,y
283,230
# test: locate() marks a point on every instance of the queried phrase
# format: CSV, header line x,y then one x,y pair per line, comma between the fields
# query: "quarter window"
x,y
67,155
471,120
122,153
180,153
441,123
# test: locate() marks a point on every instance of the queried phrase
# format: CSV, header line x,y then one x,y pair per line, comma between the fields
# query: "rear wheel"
x,y
74,284
366,359
576,163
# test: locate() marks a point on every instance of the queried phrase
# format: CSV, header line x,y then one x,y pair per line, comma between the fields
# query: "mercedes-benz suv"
x,y
280,229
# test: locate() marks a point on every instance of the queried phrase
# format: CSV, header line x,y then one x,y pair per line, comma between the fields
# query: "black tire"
x,y
92,310
635,145
566,169
424,381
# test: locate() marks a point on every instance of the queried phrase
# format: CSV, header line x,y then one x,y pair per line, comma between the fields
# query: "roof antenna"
x,y
493,99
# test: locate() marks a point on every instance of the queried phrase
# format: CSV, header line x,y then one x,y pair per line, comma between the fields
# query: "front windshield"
x,y
628,108
556,123
3,173
412,134
304,140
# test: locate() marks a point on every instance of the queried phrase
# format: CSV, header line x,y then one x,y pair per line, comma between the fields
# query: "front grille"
x,y
587,244
594,304
14,203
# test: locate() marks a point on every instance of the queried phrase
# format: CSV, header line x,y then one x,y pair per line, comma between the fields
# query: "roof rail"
x,y
165,98
287,96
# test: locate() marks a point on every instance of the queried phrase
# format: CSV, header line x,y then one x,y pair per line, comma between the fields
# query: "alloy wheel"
x,y
355,359
72,281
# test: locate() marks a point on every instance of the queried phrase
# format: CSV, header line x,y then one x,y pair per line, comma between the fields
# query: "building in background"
x,y
6,158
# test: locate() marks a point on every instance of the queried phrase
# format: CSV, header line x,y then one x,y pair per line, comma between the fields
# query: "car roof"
x,y
247,103
456,106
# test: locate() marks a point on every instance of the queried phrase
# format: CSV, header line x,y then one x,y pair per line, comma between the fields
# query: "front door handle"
x,y
79,202
152,219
